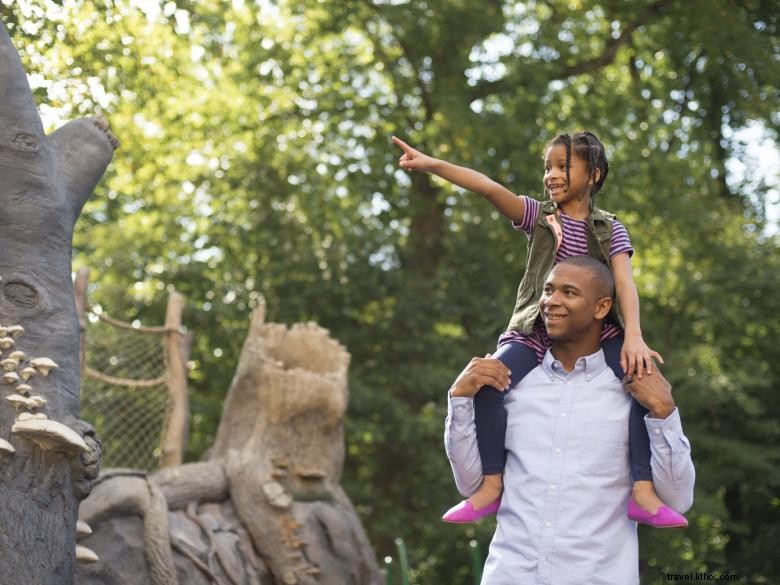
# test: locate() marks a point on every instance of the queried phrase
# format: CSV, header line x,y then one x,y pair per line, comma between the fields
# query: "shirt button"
x,y
552,487
563,415
557,450
587,378
657,431
548,524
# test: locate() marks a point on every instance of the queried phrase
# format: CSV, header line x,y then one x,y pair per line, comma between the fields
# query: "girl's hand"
x,y
636,357
413,160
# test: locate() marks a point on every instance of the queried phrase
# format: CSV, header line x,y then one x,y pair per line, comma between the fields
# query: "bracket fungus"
x,y
6,447
14,330
24,389
10,377
43,365
9,364
25,373
85,555
6,342
26,401
31,416
49,434
17,355
83,529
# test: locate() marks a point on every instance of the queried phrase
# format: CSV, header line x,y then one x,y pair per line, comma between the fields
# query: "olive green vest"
x,y
541,258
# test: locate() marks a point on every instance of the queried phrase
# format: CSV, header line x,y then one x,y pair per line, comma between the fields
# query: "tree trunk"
x,y
266,507
44,182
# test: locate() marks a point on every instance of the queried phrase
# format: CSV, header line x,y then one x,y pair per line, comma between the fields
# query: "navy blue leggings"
x,y
490,416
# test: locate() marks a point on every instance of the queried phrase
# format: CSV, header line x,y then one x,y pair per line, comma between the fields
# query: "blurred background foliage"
x,y
256,160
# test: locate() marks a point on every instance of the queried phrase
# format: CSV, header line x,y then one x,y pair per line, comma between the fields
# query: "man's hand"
x,y
486,371
653,392
413,160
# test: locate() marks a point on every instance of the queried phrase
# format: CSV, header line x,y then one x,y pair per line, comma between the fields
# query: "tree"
x,y
50,457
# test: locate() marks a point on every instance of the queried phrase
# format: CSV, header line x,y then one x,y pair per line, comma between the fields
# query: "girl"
x,y
575,168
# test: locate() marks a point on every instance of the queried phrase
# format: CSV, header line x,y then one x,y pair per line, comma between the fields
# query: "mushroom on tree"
x,y
50,435
24,389
9,364
26,372
82,529
15,330
43,365
31,416
27,402
17,355
10,377
6,342
6,447
85,555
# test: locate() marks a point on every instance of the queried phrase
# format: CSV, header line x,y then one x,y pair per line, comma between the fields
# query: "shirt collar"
x,y
589,364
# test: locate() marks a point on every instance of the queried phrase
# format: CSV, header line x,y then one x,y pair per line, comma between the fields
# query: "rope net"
x,y
124,391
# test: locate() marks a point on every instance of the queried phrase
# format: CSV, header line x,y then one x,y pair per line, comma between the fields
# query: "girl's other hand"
x,y
413,160
636,358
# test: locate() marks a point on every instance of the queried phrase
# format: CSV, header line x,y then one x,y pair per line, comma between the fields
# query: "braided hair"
x,y
588,148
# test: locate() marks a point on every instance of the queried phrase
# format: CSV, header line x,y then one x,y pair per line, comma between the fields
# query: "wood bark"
x,y
266,506
174,442
44,182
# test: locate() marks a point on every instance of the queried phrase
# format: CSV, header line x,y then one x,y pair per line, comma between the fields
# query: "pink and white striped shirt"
x,y
573,243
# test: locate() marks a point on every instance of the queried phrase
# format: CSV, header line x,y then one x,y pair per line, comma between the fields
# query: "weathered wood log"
x,y
266,507
44,182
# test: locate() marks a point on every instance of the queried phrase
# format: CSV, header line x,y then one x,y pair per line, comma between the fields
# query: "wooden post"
x,y
80,296
175,439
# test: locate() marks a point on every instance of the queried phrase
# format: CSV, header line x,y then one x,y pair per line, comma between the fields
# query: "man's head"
x,y
577,297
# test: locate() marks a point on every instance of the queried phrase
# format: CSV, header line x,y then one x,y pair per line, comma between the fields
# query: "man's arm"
x,y
460,435
670,452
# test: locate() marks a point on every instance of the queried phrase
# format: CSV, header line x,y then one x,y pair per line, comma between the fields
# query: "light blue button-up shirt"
x,y
562,519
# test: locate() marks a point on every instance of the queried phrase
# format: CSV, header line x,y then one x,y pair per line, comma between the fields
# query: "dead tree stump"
x,y
265,507
48,457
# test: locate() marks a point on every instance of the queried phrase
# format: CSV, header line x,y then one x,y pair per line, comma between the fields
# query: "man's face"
x,y
569,304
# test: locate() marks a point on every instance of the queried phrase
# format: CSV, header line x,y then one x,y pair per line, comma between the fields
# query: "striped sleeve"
x,y
529,217
620,241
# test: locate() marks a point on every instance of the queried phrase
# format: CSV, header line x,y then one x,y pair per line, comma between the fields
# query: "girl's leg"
x,y
651,510
490,421
638,439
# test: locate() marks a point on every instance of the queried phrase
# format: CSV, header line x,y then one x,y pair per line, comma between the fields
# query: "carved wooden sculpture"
x,y
266,506
48,457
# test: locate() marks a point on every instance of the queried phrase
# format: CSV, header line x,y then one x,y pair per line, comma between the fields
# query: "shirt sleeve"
x,y
528,223
620,240
670,459
460,444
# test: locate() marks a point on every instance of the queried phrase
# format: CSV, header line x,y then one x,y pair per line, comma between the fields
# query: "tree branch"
x,y
609,53
408,54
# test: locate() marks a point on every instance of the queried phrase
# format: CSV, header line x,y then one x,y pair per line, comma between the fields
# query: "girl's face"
x,y
555,184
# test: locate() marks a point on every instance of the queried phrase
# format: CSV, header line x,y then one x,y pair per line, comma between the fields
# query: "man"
x,y
562,518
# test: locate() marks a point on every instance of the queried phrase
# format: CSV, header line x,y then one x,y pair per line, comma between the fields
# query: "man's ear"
x,y
603,306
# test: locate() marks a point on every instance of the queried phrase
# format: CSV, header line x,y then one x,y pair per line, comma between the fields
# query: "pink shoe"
x,y
464,513
665,517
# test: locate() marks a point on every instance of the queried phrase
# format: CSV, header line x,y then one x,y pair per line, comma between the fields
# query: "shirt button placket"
x,y
555,471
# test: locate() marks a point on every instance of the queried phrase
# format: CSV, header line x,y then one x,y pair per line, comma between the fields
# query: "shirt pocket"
x,y
604,449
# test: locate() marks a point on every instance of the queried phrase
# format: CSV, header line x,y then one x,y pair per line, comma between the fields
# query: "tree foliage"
x,y
256,160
